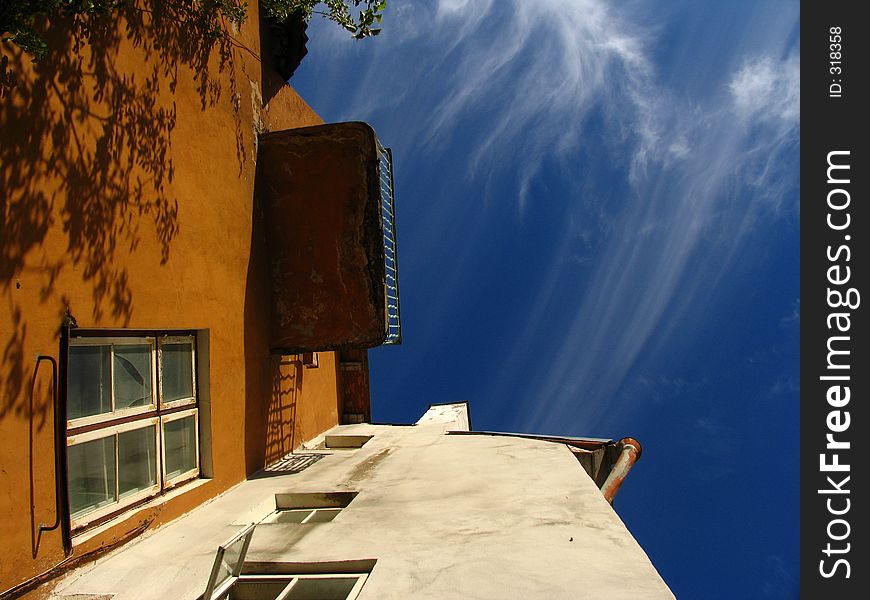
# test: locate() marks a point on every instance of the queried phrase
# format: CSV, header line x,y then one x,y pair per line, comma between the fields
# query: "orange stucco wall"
x,y
126,195
303,402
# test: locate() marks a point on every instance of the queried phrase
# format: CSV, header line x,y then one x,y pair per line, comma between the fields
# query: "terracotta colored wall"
x,y
126,194
303,404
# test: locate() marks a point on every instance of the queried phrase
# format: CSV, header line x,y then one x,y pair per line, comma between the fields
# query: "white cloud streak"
x,y
518,82
692,210
767,90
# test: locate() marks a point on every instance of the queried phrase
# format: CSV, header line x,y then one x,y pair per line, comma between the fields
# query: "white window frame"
x,y
137,418
168,340
310,518
120,503
125,412
167,482
219,589
222,592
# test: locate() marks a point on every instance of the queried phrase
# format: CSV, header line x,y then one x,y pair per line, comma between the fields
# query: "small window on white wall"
x,y
303,515
346,441
227,582
309,507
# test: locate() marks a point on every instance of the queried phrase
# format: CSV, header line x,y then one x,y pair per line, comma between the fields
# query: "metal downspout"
x,y
60,455
629,452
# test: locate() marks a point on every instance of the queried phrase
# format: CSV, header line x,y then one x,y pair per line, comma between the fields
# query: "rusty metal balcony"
x,y
327,194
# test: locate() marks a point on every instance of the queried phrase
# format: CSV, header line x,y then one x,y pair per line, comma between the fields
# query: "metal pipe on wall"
x,y
629,452
62,480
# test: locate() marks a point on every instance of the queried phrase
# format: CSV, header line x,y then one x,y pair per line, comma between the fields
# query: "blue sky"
x,y
598,216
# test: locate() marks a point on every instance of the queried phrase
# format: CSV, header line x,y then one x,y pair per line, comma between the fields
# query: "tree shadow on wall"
x,y
86,150
287,378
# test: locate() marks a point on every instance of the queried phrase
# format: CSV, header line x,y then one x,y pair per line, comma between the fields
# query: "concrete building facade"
x,y
413,512
167,381
139,375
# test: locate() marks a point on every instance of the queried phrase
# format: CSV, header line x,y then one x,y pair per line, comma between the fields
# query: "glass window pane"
x,y
137,461
324,515
333,588
228,563
90,383
91,470
177,371
132,375
179,438
256,590
231,558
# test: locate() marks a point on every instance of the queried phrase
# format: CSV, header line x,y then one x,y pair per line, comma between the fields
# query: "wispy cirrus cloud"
x,y
700,188
592,197
768,90
501,89
517,79
537,70
703,173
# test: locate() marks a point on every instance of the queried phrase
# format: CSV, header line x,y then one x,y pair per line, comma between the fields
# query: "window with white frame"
x,y
132,421
309,507
227,582
302,515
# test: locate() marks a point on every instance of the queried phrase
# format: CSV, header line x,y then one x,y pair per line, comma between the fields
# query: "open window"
x,y
132,421
302,515
227,582
345,441
309,508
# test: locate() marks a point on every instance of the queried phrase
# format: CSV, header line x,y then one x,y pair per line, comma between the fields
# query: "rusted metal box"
x,y
320,190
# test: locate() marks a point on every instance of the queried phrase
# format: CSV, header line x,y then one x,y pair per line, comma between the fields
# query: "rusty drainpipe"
x,y
629,451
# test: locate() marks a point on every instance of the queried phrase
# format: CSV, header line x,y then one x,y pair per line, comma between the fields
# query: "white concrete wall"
x,y
470,517
444,517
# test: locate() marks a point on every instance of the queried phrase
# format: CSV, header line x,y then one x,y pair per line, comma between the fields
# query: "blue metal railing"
x,y
391,259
